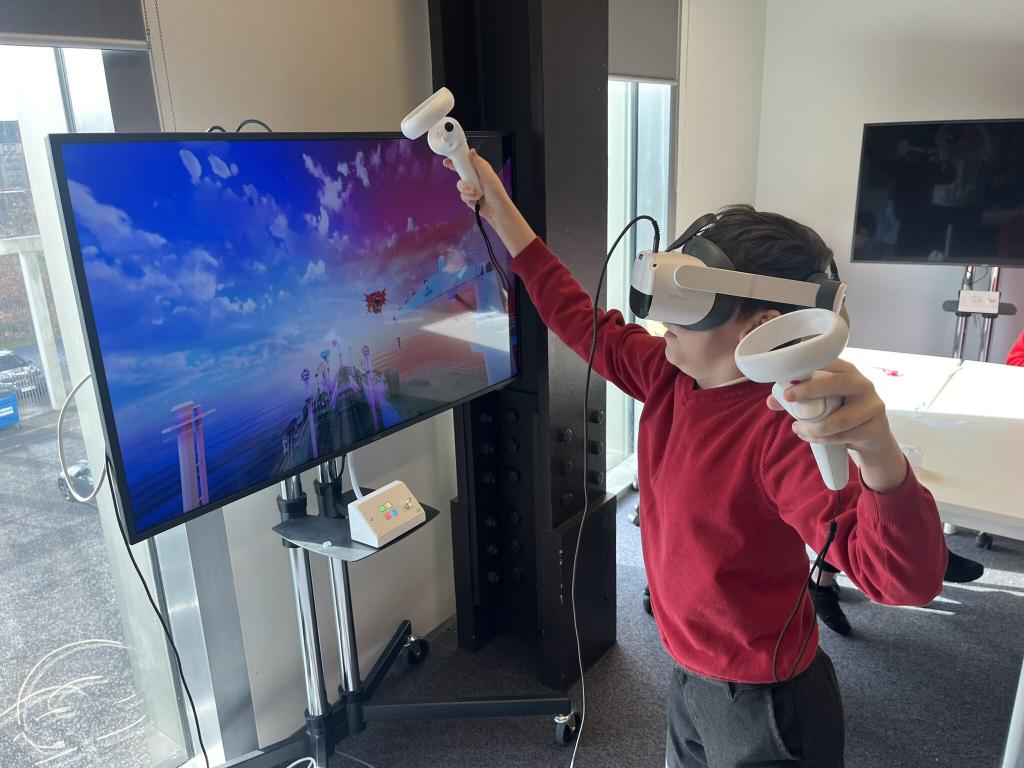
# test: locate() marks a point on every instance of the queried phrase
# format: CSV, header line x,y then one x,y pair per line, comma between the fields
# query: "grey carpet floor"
x,y
921,687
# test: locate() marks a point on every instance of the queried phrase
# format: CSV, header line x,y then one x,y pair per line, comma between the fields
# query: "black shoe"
x,y
961,570
826,605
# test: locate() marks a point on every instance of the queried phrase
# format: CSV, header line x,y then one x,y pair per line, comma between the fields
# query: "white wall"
x,y
720,74
334,66
830,68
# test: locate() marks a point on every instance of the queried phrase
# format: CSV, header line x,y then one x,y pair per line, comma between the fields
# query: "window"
x,y
85,678
639,182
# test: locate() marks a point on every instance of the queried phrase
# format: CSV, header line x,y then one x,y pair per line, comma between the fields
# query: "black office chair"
x,y
634,518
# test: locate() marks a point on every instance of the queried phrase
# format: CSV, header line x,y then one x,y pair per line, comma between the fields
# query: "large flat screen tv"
x,y
256,304
941,193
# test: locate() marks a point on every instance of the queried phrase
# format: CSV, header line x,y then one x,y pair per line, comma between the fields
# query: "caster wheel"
x,y
983,540
417,651
566,728
647,605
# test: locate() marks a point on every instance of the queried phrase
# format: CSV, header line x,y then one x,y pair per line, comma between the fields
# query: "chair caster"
x,y
647,601
566,728
983,540
634,516
417,650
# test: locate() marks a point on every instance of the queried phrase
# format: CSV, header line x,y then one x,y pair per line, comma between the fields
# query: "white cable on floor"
x,y
350,459
98,483
311,762
354,759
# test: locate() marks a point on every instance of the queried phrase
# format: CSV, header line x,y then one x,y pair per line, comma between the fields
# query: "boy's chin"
x,y
675,360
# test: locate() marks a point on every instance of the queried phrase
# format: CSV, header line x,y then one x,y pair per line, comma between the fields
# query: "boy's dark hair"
x,y
768,244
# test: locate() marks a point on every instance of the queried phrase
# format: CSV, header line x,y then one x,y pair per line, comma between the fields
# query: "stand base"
x,y
353,711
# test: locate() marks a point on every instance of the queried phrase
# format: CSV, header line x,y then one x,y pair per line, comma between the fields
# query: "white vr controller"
x,y
444,134
821,337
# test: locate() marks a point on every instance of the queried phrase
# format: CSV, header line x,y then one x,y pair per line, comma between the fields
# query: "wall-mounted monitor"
x,y
258,303
941,193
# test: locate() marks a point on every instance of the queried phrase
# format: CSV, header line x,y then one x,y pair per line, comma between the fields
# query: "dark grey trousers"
x,y
796,723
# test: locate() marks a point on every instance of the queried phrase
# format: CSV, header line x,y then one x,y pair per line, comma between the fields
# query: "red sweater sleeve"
x,y
627,355
889,544
1016,356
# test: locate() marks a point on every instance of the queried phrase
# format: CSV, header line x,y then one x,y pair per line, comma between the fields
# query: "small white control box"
x,y
382,516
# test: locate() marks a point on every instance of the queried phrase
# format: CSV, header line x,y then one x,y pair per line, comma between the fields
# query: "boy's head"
x,y
758,242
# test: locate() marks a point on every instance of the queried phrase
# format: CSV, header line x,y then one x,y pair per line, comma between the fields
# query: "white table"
x,y
968,420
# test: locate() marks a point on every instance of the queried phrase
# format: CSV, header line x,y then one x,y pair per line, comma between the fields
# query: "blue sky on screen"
x,y
217,270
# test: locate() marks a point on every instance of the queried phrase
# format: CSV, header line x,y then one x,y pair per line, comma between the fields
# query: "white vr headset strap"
x,y
692,277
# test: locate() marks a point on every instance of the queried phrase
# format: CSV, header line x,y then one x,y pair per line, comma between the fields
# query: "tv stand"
x,y
327,534
988,319
983,539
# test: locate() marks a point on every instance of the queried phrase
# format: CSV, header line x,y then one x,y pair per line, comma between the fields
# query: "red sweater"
x,y
730,497
1016,356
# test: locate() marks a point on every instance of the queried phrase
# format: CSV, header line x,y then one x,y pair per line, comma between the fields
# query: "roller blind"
x,y
100,23
643,39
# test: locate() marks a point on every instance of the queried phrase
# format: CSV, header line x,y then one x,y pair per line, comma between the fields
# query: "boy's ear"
x,y
757,320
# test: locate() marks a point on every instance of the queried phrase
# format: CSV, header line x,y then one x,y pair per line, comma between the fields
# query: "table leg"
x,y
1014,755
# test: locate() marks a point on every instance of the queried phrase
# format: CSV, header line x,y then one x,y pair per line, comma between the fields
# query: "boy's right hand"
x,y
495,205
492,198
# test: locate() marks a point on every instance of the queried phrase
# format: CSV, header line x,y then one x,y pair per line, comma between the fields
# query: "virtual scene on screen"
x,y
941,192
262,304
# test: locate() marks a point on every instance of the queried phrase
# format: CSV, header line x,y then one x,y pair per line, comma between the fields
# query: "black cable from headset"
x,y
818,560
490,252
156,610
253,121
586,447
216,129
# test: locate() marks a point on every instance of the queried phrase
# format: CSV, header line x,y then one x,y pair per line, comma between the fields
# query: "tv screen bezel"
x,y
56,144
994,262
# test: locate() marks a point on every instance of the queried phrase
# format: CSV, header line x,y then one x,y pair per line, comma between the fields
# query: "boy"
x,y
731,494
1016,355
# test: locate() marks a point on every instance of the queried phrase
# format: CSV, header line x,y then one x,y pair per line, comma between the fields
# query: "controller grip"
x,y
464,167
833,460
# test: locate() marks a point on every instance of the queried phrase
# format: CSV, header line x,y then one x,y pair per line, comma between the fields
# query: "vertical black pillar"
x,y
538,69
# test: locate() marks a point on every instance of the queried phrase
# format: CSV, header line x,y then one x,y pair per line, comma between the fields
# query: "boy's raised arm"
x,y
626,355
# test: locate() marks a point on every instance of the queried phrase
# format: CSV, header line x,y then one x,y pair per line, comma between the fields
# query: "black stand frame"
x,y
328,724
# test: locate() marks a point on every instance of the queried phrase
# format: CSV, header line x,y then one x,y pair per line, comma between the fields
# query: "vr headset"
x,y
700,289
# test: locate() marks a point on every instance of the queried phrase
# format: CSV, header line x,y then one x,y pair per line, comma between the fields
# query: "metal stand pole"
x,y
1014,755
986,332
344,623
316,695
347,651
961,319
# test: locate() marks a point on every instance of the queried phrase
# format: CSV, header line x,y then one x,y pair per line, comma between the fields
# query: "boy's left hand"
x,y
860,423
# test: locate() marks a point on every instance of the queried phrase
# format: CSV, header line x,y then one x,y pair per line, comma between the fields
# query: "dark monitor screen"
x,y
259,303
942,193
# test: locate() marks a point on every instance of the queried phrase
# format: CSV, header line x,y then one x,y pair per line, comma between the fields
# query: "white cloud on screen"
x,y
246,307
279,227
361,171
221,168
334,193
343,169
192,165
315,270
112,227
